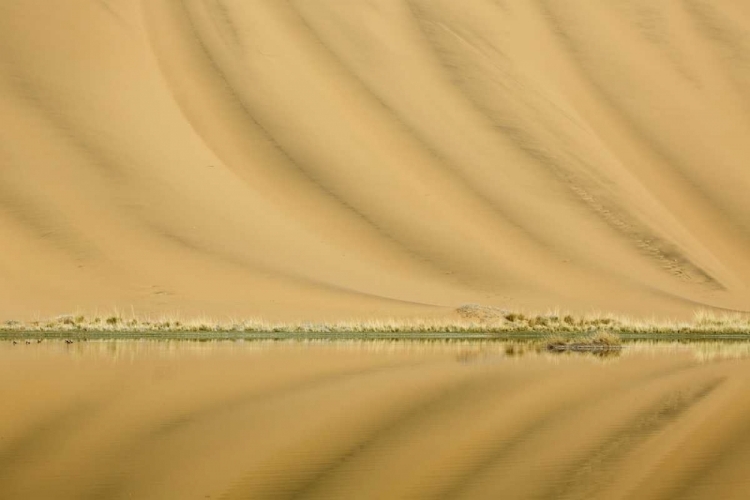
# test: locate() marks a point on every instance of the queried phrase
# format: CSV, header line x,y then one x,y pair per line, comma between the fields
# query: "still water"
x,y
379,420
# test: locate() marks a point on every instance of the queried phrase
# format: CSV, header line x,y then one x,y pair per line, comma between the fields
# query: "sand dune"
x,y
369,420
329,159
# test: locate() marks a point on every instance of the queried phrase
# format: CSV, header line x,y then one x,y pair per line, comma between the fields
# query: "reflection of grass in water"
x,y
595,341
514,349
465,351
464,320
704,351
710,351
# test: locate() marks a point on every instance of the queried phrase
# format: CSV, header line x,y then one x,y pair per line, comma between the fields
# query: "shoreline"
x,y
471,321
346,336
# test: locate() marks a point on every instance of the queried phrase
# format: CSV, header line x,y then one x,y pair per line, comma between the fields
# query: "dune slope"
x,y
329,159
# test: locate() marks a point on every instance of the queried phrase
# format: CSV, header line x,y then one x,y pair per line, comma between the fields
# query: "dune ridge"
x,y
326,160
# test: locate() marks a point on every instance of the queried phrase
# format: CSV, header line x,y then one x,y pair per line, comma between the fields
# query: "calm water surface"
x,y
380,420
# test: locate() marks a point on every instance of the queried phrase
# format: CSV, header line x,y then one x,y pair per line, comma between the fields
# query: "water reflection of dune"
x,y
368,420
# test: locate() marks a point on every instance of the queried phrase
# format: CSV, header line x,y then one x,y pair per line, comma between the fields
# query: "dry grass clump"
x,y
604,339
471,318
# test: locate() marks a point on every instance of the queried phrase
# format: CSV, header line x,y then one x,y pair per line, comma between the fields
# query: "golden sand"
x,y
328,159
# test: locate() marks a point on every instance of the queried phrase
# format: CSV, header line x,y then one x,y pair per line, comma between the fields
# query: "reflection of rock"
x,y
602,351
583,347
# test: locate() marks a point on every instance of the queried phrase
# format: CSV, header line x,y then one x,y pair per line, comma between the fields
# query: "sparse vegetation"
x,y
467,319
605,339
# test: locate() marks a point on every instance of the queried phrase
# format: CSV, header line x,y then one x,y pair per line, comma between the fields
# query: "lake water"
x,y
371,420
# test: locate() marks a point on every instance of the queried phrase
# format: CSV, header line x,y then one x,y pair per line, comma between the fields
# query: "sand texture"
x,y
330,159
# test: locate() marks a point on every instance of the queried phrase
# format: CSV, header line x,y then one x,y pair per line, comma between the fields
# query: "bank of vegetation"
x,y
466,319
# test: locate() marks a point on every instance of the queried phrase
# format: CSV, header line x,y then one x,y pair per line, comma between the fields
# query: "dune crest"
x,y
327,159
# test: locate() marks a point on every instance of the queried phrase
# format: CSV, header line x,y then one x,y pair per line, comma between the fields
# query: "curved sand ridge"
x,y
328,159
381,420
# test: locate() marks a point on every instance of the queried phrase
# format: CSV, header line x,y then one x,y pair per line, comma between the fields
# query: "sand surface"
x,y
160,420
326,159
